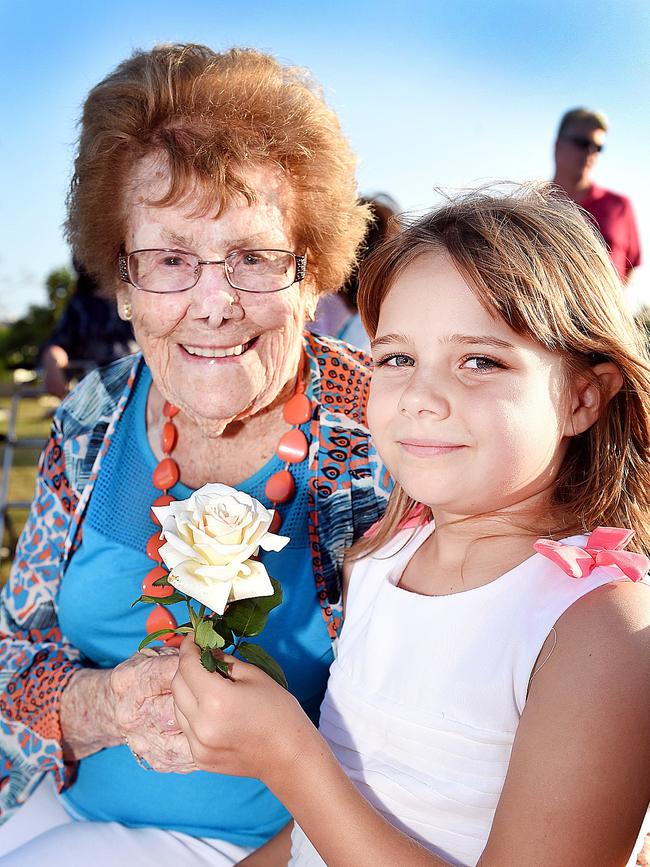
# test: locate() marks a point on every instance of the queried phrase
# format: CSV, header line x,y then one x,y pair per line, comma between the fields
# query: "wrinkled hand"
x,y
248,726
144,710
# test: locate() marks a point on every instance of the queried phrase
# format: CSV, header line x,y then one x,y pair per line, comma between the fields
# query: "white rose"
x,y
209,542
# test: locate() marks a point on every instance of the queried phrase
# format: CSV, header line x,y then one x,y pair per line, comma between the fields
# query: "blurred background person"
x,y
580,139
89,334
337,314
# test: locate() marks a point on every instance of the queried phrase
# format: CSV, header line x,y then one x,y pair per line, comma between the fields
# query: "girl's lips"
x,y
429,448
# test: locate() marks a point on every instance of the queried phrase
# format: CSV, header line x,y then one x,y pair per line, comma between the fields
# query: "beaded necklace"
x,y
280,488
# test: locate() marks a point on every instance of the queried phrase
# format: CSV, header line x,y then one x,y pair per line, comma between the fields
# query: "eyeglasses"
x,y
585,144
164,271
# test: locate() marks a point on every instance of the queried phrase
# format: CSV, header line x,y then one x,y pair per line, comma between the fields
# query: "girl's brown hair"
x,y
534,259
211,116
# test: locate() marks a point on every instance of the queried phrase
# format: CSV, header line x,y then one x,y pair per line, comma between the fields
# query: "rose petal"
x,y
179,526
224,533
161,512
171,557
220,552
187,551
213,558
222,573
272,542
215,596
218,491
256,584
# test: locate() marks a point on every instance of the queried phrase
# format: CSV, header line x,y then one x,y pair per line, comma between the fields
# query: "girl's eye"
x,y
395,360
481,363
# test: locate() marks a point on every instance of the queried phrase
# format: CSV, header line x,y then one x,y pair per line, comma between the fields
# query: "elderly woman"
x,y
215,195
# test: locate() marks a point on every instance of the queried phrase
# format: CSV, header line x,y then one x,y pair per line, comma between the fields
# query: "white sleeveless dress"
x,y
426,693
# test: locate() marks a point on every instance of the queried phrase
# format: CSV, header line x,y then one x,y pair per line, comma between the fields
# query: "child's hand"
x,y
247,726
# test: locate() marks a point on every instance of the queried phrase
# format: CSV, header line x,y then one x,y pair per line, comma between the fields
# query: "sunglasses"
x,y
585,144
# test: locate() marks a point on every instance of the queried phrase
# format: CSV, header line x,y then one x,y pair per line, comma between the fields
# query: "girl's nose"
x,y
423,394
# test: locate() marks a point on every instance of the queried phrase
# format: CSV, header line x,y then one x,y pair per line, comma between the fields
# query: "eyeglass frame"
x,y
585,144
123,266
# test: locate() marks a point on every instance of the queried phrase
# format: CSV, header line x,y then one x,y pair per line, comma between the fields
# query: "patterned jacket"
x,y
347,493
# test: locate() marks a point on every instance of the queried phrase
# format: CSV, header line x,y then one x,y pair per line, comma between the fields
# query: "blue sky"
x,y
431,94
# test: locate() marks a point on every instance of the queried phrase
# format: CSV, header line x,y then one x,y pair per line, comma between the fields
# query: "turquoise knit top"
x,y
96,617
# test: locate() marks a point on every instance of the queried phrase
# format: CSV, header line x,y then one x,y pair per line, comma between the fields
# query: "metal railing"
x,y
10,443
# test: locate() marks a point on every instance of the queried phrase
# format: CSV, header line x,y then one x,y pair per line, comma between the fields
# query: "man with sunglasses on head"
x,y
580,139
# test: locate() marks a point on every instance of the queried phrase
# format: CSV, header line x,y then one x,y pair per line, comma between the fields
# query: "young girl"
x,y
489,702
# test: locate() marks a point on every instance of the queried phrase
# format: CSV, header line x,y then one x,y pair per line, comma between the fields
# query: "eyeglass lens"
x,y
175,270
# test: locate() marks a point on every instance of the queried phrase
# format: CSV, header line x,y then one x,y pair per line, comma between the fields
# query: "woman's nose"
x,y
213,297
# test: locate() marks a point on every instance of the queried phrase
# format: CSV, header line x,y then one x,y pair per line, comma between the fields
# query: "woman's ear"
x,y
124,310
312,298
590,395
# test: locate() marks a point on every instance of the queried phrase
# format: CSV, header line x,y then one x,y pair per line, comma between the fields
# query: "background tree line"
x,y
21,341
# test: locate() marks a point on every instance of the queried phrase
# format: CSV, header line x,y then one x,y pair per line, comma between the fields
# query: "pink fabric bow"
x,y
603,548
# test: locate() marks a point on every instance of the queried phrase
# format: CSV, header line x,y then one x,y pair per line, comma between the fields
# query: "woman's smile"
x,y
213,353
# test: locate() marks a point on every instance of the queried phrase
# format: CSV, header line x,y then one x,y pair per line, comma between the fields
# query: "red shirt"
x,y
615,218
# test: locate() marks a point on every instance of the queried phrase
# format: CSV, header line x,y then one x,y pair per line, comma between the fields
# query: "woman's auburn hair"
x,y
534,259
211,116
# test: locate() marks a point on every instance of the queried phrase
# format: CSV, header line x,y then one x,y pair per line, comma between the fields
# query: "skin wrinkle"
x,y
204,316
129,704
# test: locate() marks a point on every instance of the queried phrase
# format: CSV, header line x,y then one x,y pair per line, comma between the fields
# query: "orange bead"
x,y
276,522
166,474
169,437
169,410
154,545
160,618
162,500
297,410
281,487
151,589
293,446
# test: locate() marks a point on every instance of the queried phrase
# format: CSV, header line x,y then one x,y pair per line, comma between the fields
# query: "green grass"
x,y
34,420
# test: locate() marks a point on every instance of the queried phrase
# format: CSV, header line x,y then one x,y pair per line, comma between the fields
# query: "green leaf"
x,y
256,655
162,582
222,668
153,636
178,630
224,631
206,637
268,603
193,616
248,616
207,660
245,617
163,600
